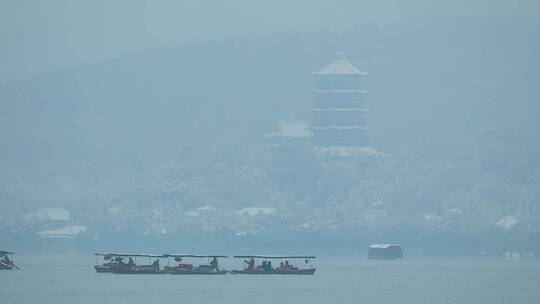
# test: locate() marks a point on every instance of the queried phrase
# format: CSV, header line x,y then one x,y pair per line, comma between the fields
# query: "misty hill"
x,y
163,141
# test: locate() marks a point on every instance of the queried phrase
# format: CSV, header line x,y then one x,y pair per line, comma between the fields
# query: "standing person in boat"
x,y
251,264
130,264
214,264
156,264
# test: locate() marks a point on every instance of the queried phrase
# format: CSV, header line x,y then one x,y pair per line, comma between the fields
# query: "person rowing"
x,y
251,264
214,264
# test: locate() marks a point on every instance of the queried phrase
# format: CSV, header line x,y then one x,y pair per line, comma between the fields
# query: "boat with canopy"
x,y
5,262
266,267
183,268
126,263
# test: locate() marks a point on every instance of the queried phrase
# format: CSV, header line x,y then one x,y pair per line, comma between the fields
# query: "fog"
x,y
38,37
155,127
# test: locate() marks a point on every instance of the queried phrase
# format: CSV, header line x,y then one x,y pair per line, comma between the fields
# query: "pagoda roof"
x,y
340,66
382,246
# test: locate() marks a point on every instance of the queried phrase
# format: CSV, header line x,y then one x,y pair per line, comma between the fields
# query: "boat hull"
x,y
182,272
4,266
136,271
103,269
309,271
127,270
194,271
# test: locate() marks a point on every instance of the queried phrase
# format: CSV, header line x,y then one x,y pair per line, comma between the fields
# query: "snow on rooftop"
x,y
430,217
378,203
206,208
382,246
507,222
252,211
198,211
340,66
69,231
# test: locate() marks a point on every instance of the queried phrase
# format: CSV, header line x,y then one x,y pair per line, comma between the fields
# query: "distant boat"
x,y
285,268
5,262
115,263
385,252
211,268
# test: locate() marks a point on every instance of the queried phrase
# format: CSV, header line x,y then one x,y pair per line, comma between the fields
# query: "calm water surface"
x,y
73,280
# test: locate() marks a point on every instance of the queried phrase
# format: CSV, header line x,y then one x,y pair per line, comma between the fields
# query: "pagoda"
x,y
338,115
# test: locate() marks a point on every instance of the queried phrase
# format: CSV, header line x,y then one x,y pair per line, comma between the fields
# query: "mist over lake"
x,y
397,147
339,280
169,144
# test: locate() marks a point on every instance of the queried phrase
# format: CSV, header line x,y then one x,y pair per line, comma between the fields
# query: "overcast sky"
x,y
38,36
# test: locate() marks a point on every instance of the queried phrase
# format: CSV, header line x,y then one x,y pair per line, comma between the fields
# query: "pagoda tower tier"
x,y
338,116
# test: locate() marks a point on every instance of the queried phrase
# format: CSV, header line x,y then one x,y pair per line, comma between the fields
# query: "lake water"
x,y
73,280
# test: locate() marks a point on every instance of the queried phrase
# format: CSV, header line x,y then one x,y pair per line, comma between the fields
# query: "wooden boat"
x,y
5,262
106,267
211,268
285,268
116,264
102,267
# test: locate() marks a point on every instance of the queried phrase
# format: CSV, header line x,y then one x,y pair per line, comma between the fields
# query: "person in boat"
x,y
214,264
6,260
285,266
251,264
156,264
131,262
266,265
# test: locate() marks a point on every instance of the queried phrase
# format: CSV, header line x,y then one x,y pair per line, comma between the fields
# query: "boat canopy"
x,y
2,253
274,256
130,255
194,256
383,246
